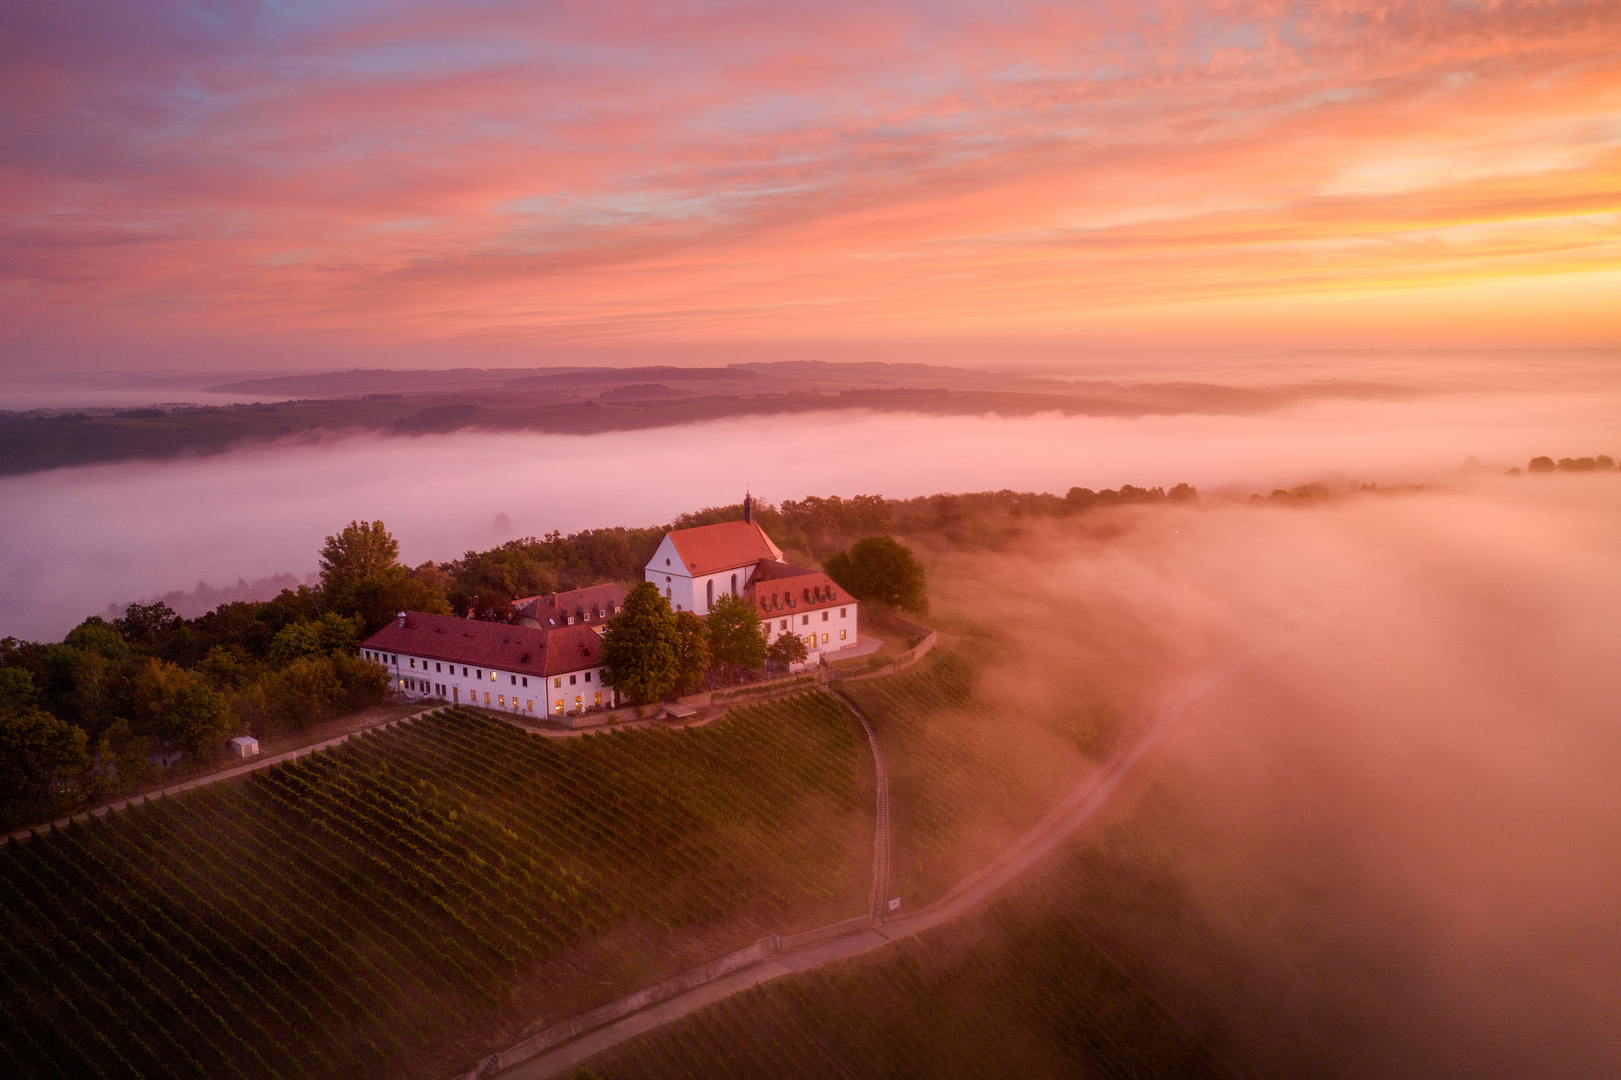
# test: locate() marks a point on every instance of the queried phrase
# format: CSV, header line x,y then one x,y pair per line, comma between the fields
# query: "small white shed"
x,y
244,746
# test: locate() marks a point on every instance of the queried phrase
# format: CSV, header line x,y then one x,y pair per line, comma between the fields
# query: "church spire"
x,y
748,506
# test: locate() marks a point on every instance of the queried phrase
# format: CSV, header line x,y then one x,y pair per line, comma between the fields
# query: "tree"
x,y
41,759
377,598
295,641
735,640
359,551
175,704
879,568
1541,464
145,623
787,649
692,647
641,647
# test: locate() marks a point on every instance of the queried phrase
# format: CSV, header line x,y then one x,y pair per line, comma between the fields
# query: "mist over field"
x,y
1385,837
75,540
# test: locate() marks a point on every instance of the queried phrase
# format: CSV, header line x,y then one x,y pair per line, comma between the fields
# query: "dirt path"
x,y
1057,825
250,765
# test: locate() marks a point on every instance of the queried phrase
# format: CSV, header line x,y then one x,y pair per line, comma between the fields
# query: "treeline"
x,y
120,702
1601,463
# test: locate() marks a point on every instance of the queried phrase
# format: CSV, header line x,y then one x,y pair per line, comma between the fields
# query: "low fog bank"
x,y
74,540
1390,831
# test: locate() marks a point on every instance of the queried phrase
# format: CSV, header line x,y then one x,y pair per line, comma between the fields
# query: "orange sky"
x,y
238,185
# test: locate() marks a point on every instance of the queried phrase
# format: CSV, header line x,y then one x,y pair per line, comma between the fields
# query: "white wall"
x,y
576,690
844,618
419,678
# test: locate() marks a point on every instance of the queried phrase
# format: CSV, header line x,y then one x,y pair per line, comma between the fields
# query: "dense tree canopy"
x,y
641,647
735,640
361,550
692,638
787,649
880,568
41,758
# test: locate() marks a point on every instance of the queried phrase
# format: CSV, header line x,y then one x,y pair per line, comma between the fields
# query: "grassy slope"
x,y
412,900
967,773
1016,989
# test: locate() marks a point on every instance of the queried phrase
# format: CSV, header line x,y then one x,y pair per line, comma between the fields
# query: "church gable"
x,y
713,549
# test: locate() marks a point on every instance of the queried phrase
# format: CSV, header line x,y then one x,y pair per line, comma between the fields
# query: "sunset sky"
x,y
218,185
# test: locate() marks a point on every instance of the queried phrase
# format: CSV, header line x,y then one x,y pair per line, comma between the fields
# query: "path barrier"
x,y
794,942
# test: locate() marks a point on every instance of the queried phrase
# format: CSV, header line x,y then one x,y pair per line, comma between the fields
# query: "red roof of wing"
x,y
522,650
553,609
709,548
769,592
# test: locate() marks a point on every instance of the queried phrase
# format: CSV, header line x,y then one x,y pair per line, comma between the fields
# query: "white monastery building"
x,y
518,669
692,567
552,664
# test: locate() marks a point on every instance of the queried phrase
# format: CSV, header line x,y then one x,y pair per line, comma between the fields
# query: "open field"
x,y
401,904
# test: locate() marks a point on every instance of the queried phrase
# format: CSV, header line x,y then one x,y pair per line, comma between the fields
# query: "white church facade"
x,y
692,568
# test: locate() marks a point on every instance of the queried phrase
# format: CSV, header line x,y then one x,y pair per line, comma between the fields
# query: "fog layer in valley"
x,y
1390,828
73,541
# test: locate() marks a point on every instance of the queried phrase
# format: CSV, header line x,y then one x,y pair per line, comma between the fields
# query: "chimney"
x,y
402,620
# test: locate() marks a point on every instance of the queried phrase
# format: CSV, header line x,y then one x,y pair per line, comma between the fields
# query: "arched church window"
x,y
709,593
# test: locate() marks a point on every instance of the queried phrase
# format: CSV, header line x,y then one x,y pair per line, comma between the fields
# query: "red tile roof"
x,y
780,589
592,606
711,548
522,650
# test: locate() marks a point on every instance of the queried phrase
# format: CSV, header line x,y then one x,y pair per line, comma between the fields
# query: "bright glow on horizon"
x,y
476,184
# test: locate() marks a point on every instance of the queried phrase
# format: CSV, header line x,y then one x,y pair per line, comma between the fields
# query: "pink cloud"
x,y
679,173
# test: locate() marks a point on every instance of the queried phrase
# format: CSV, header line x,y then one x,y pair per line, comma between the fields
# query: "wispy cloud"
x,y
181,173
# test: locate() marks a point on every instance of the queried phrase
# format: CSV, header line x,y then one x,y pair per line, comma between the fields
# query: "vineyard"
x,y
966,775
435,886
1016,989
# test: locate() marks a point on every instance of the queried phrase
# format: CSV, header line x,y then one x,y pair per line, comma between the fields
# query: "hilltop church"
x,y
552,663
692,567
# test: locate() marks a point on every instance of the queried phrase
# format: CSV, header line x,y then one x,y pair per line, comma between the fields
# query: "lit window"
x,y
486,697
599,699
413,661
492,676
842,633
501,700
824,639
529,705
559,706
